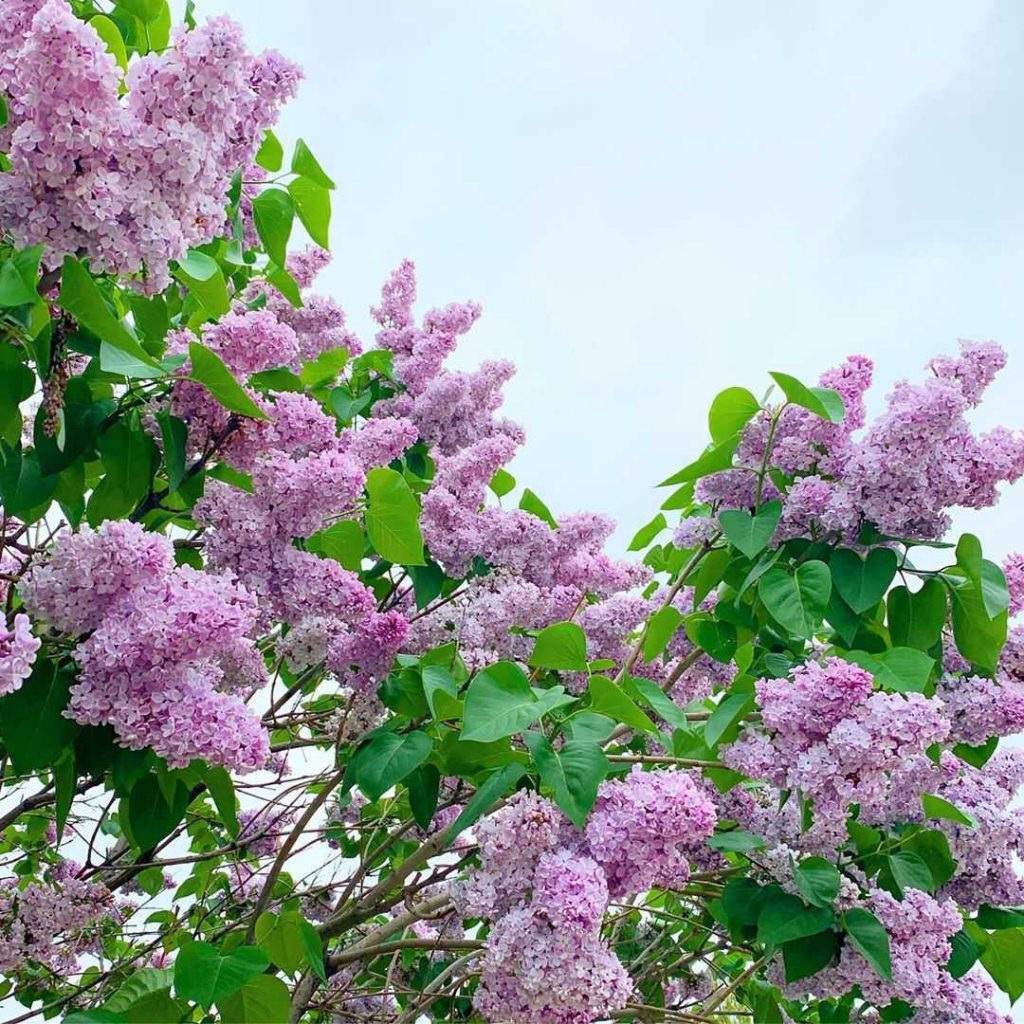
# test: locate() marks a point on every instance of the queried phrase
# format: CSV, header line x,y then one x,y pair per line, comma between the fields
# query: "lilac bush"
x,y
308,712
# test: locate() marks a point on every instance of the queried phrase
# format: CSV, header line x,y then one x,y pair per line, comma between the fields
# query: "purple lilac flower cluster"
x,y
912,464
50,924
826,735
545,886
130,182
166,646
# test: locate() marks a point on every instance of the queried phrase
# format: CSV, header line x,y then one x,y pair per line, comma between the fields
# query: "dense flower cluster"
x,y
167,645
918,459
546,961
827,736
920,928
49,924
546,886
131,183
641,825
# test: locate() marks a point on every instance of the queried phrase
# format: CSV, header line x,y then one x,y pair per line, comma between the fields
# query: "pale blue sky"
x,y
654,200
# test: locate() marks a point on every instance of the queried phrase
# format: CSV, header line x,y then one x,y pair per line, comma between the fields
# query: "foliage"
x,y
305,715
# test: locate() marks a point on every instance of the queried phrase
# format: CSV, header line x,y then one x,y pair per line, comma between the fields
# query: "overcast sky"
x,y
655,200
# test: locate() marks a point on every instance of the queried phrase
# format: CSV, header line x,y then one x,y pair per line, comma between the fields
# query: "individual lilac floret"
x,y
641,825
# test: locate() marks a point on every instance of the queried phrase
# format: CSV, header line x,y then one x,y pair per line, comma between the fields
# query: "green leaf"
x,y
562,647
129,457
343,541
111,36
261,1000
932,847
140,984
714,460
100,1015
203,975
64,786
18,278
998,918
647,533
661,627
496,786
25,490
900,669
725,716
314,949
751,534
529,502
818,881
909,871
221,788
441,691
424,785
273,212
209,370
862,583
174,433
280,937
270,155
730,412
202,276
82,299
823,402
658,701
324,369
502,483
32,722
573,772
150,815
612,701
145,10
387,759
965,954
870,939
804,957
346,405
916,619
736,841
1003,958
978,638
304,163
392,518
937,807
285,284
313,205
798,602
499,702
785,918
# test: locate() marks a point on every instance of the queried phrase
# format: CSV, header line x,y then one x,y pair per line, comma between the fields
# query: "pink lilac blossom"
x,y
641,826
912,464
919,928
829,737
511,842
546,963
261,830
18,649
1013,569
132,183
91,572
154,666
979,707
986,852
50,924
